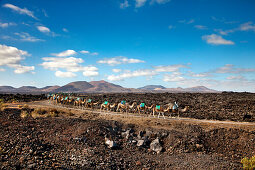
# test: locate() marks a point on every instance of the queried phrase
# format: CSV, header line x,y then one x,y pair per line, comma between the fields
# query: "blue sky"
x,y
132,43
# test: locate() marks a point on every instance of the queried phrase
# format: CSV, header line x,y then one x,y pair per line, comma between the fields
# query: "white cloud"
x,y
19,69
124,5
139,3
84,52
12,57
20,10
115,70
235,78
95,53
249,26
136,73
5,25
64,74
90,73
229,68
169,68
174,77
43,29
64,53
192,74
27,37
187,21
160,1
70,63
216,40
201,27
171,27
65,30
119,60
2,69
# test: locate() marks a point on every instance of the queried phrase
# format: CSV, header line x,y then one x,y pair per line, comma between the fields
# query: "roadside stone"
x,y
140,143
111,144
156,146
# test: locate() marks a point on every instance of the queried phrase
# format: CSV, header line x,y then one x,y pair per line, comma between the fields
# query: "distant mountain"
x,y
152,87
200,89
75,87
49,88
102,87
27,89
197,89
6,88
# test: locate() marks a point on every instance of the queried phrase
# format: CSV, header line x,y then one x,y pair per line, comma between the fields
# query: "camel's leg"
x,y
163,115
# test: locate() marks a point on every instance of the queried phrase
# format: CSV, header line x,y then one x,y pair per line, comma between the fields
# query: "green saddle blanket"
x,y
158,107
142,104
106,102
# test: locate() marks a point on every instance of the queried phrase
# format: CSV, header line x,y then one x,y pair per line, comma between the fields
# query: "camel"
x,y
78,102
122,106
179,110
105,105
173,108
112,106
90,104
160,109
141,107
131,107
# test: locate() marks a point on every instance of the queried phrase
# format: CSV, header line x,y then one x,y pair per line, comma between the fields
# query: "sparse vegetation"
x,y
1,150
25,114
54,113
2,105
248,163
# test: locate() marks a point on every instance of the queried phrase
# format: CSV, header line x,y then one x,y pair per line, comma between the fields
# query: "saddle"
x,y
142,105
89,100
106,102
157,107
123,102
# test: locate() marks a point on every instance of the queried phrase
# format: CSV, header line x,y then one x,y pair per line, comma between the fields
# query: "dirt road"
x,y
125,117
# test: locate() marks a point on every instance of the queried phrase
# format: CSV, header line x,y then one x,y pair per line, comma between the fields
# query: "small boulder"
x,y
156,146
140,143
111,144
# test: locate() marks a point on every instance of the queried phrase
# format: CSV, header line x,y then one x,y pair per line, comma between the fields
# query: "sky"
x,y
132,43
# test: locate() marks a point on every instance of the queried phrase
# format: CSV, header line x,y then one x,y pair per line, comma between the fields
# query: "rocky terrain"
x,y
90,142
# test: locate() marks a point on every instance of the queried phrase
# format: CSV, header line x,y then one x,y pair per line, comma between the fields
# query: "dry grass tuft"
x,y
25,106
54,113
25,114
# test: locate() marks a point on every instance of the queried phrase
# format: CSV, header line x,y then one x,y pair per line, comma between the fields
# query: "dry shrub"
x,y
25,114
39,112
53,113
25,106
3,106
70,113
1,150
248,163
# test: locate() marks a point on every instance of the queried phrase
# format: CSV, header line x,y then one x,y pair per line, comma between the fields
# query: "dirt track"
x,y
124,116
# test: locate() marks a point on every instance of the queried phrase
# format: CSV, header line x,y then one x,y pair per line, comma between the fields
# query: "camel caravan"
x,y
123,106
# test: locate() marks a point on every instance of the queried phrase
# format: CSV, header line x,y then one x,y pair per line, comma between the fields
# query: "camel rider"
x,y
123,102
175,105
